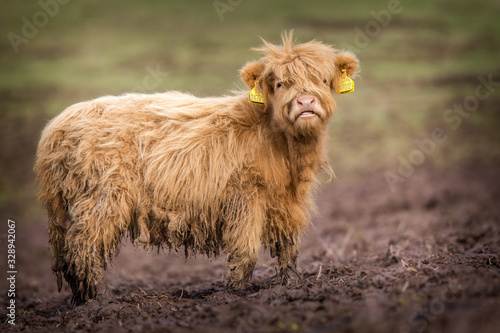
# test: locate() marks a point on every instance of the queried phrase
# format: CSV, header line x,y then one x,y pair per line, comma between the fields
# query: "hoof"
x,y
289,277
236,285
103,295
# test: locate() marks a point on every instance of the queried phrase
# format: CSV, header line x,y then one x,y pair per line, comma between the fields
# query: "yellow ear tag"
x,y
346,83
255,95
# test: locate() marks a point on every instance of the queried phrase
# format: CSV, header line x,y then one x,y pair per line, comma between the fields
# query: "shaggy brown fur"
x,y
208,174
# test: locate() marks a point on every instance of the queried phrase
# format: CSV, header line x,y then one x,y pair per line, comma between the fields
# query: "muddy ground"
x,y
424,258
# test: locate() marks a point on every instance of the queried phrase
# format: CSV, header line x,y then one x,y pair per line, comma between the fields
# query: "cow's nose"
x,y
306,102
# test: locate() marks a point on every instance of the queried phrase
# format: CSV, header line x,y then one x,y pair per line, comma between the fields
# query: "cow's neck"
x,y
305,158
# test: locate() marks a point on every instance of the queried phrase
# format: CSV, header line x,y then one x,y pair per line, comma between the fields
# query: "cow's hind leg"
x,y
84,264
97,227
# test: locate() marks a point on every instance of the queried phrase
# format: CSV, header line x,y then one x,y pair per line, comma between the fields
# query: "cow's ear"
x,y
348,61
250,72
344,60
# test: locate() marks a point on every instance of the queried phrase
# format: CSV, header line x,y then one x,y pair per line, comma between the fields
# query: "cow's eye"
x,y
279,85
325,81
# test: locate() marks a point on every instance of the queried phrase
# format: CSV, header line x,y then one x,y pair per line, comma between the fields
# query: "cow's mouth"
x,y
307,114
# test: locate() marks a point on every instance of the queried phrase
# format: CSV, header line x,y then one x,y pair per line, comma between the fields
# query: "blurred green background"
x,y
419,59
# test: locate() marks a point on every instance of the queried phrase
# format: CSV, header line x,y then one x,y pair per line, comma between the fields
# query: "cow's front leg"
x,y
242,241
287,250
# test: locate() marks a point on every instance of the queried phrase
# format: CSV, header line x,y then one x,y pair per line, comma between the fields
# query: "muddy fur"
x,y
201,175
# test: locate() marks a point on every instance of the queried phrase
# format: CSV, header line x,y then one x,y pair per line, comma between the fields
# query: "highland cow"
x,y
203,174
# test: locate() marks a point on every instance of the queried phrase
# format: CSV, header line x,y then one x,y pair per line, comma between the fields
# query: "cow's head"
x,y
297,83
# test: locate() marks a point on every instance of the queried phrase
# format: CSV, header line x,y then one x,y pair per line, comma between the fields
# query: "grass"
x,y
426,59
